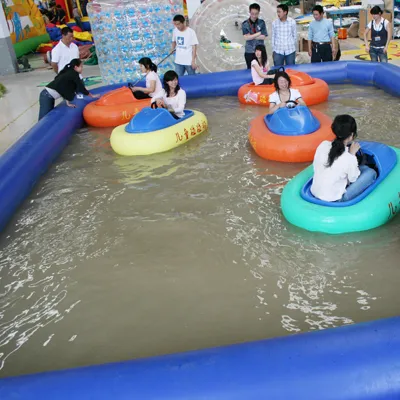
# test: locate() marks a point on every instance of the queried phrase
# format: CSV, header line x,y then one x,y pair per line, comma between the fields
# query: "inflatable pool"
x,y
374,207
113,108
362,358
154,131
313,90
290,135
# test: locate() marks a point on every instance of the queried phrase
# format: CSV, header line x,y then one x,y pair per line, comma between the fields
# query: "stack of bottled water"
x,y
124,31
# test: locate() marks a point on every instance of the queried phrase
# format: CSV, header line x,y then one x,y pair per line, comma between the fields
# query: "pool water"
x,y
113,258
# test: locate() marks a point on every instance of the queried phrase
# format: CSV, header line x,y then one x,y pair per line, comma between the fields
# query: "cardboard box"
x,y
366,17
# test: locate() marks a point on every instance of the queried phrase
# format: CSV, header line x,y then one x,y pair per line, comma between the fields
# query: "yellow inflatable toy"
x,y
155,131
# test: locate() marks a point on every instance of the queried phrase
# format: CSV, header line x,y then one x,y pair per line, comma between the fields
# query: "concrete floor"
x,y
20,106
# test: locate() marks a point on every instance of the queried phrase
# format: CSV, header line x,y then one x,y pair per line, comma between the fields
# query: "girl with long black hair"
x,y
337,175
66,84
153,83
172,97
284,95
260,67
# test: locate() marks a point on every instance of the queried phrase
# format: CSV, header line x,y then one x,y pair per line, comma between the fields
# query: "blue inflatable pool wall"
x,y
355,362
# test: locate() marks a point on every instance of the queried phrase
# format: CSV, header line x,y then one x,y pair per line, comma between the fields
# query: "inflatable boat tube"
x,y
374,207
313,90
114,108
289,147
155,131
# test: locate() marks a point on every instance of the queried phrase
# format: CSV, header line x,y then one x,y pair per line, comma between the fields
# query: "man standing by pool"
x,y
65,51
284,37
184,40
321,38
254,32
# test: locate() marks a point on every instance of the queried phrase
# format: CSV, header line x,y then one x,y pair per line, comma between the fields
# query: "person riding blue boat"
x,y
337,173
284,96
172,97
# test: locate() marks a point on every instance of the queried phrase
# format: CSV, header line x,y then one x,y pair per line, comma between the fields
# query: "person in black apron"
x,y
381,33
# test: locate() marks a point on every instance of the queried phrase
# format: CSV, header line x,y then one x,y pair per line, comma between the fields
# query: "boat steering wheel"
x,y
291,104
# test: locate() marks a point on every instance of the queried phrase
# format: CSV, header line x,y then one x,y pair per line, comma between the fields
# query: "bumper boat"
x,y
113,108
290,134
313,90
155,131
379,203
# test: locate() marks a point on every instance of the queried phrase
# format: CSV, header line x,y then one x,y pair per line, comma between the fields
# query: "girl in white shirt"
x,y
260,67
172,97
337,175
284,96
153,83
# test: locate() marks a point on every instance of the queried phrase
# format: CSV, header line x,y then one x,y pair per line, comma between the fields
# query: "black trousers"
x,y
267,81
139,95
249,57
321,53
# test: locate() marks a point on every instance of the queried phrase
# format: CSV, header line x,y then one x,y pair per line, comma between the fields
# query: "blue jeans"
x,y
46,103
180,69
366,178
280,59
376,54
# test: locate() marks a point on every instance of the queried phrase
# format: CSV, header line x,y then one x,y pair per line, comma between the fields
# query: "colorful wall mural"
x,y
24,19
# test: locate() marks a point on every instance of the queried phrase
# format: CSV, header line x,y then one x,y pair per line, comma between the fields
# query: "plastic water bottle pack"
x,y
126,31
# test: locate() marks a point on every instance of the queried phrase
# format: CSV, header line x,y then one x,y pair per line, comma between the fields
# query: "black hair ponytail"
x,y
343,127
148,64
153,67
76,62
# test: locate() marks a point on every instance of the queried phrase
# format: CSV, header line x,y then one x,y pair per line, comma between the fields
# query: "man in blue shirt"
x,y
321,38
254,32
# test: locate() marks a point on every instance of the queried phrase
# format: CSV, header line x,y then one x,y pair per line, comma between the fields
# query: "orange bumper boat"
x,y
290,135
313,90
113,109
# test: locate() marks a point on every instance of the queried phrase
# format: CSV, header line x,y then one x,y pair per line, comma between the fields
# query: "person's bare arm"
x,y
55,67
273,107
173,46
334,49
389,37
194,55
148,90
260,72
366,39
301,101
310,48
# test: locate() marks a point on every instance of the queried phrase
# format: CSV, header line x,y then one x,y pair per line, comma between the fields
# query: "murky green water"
x,y
114,258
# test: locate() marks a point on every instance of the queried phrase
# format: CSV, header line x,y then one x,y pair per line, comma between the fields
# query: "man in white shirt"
x,y
184,41
284,37
65,51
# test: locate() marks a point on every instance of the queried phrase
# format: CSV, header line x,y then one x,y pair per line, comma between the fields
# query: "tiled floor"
x,y
20,106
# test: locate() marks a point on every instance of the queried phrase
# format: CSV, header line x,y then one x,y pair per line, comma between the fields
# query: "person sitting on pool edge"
x,y
153,83
284,96
260,67
172,97
337,175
